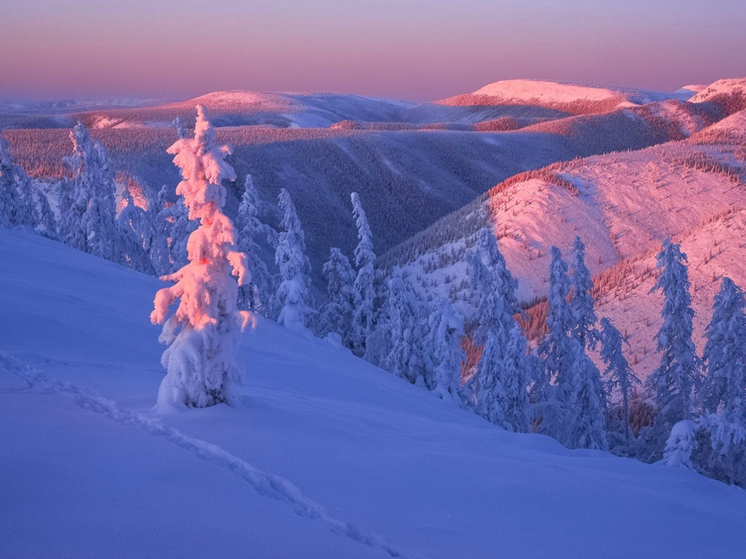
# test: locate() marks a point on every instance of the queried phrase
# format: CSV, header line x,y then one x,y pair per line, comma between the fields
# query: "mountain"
x,y
407,178
325,456
565,97
622,204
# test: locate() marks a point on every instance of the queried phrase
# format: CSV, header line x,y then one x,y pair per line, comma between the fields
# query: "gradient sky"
x,y
408,49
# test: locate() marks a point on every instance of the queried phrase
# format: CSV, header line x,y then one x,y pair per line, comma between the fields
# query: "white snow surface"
x,y
551,92
727,86
325,456
528,90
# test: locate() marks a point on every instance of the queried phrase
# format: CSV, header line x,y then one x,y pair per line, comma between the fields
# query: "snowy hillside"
x,y
568,97
407,179
622,205
326,456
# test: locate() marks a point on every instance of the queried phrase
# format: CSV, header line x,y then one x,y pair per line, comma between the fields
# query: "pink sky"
x,y
407,49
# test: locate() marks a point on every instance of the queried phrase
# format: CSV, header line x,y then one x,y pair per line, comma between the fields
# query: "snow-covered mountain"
x,y
408,178
567,97
622,204
325,456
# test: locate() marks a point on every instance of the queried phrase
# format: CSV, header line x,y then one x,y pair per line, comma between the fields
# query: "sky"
x,y
405,49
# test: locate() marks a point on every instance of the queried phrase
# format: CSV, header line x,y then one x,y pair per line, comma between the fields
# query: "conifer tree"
x,y
446,331
134,236
503,280
293,296
582,303
586,415
17,205
47,220
88,208
619,375
557,348
364,292
502,378
724,387
516,372
406,323
337,313
672,382
256,294
202,368
160,221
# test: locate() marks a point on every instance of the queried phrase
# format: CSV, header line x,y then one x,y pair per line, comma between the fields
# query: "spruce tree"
x,y
364,292
446,331
202,368
337,313
582,303
134,236
88,207
180,230
724,386
159,214
17,204
501,379
293,296
405,353
256,295
585,416
672,382
516,373
556,349
618,373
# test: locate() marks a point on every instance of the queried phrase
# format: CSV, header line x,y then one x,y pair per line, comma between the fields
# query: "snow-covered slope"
x,y
568,97
623,205
326,456
406,179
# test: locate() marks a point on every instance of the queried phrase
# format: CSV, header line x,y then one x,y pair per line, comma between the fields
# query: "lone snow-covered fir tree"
x,y
202,335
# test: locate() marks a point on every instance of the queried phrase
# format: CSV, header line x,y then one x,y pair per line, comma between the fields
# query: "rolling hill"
x,y
623,205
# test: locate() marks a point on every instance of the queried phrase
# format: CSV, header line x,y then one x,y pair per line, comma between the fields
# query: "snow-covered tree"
x,y
201,364
552,389
88,208
489,392
134,236
406,324
293,295
364,292
256,294
504,281
446,331
516,378
585,417
17,204
502,376
47,223
724,387
582,303
672,382
680,445
181,131
337,313
619,374
556,349
160,231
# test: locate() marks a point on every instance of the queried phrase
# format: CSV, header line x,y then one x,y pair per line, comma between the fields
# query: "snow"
x,y
720,87
530,90
561,95
324,455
